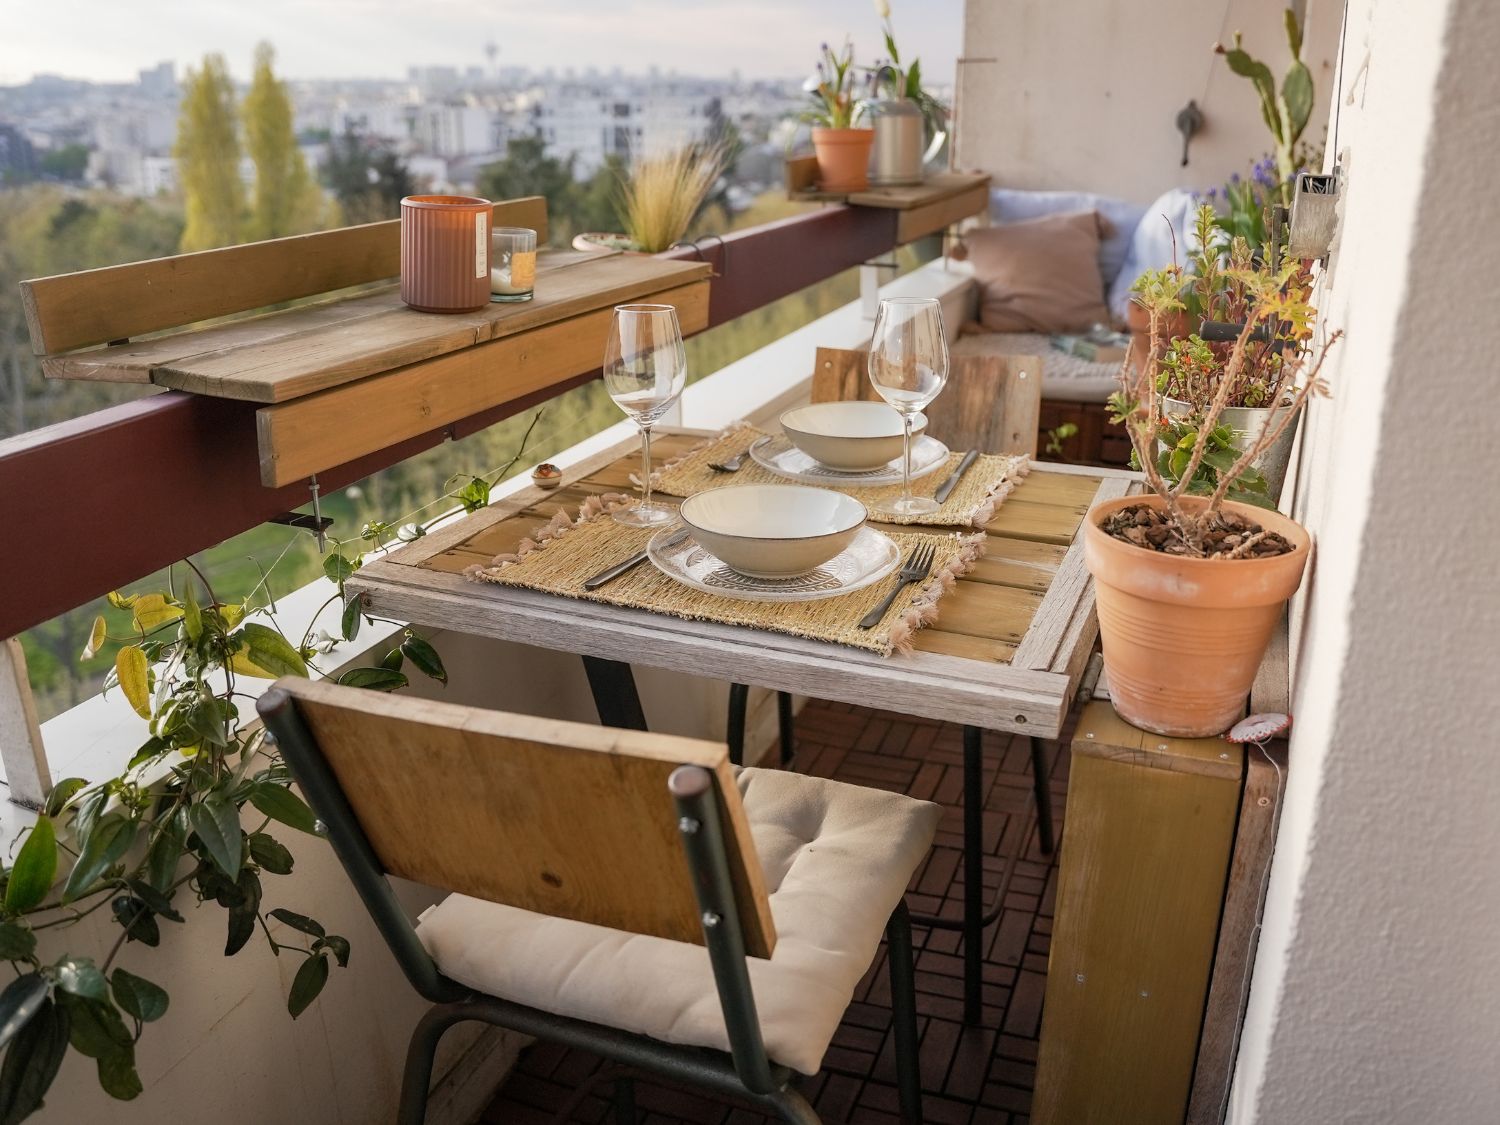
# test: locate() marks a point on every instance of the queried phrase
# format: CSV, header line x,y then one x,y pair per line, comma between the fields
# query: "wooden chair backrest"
x,y
554,817
79,310
991,403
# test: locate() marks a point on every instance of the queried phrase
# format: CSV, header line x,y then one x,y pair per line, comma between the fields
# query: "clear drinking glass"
x,y
645,367
908,367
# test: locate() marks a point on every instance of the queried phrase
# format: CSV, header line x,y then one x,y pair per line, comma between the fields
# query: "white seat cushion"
x,y
837,859
1065,378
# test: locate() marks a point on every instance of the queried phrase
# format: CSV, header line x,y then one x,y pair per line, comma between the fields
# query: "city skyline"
x,y
381,39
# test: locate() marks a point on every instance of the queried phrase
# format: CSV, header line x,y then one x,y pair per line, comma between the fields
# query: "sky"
x,y
110,40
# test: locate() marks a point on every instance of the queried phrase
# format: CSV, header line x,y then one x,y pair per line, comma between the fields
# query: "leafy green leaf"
x,y
106,841
81,977
339,948
119,600
350,622
162,862
22,999
134,673
425,657
17,942
337,568
1297,97
216,820
157,900
1293,33
192,616
393,660
375,679
138,996
269,651
270,854
280,803
32,1061
138,921
300,922
94,1026
62,793
36,867
309,981
152,611
118,1077
152,748
242,914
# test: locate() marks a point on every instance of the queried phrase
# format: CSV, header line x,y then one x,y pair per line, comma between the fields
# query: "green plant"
x,y
1286,112
1055,438
893,80
832,90
663,194
1195,455
173,823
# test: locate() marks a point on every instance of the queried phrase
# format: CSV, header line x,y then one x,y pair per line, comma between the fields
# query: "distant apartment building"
x,y
18,160
593,122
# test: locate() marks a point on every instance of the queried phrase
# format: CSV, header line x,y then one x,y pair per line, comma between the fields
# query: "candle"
x,y
513,264
445,252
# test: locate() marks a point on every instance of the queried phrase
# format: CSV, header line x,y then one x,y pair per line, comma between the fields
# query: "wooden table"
x,y
1007,653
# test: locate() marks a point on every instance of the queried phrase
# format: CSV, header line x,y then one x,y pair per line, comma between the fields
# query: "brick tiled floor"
x,y
981,1075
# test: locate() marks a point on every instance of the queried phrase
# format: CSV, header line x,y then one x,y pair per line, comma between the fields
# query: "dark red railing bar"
x,y
93,503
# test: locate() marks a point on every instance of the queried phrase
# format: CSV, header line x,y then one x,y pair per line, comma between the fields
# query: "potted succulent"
x,y
842,147
659,199
1190,583
910,124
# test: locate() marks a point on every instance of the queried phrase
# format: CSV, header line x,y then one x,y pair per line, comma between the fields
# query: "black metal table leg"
x,y
734,730
1043,791
973,873
787,724
615,697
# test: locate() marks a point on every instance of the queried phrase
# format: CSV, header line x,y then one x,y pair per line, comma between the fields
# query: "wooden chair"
x,y
560,842
991,403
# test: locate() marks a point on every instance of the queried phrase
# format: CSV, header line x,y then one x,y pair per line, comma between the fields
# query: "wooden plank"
x,y
1047,523
27,774
306,435
801,174
969,648
934,188
1244,902
1056,612
1272,690
931,218
1139,895
1103,734
566,819
78,310
990,403
927,684
997,613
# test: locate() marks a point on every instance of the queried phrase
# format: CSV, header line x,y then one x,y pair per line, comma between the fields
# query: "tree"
x,y
208,158
368,180
66,163
528,170
286,200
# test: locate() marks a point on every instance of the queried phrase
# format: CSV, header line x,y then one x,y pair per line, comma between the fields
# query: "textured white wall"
x,y
1375,984
1082,94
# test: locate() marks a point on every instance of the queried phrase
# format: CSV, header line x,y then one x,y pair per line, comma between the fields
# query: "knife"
x,y
609,574
963,466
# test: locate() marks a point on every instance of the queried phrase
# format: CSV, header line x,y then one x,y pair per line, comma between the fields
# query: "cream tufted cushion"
x,y
836,858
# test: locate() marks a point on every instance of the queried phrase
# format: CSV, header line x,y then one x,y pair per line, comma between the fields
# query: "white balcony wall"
x,y
1083,94
1373,997
227,1051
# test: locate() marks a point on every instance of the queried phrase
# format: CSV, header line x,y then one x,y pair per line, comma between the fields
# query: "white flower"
x,y
883,9
812,83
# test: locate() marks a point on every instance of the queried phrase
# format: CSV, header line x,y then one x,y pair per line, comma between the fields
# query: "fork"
x,y
731,465
918,566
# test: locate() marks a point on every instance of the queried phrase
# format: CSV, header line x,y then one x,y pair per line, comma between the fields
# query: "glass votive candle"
x,y
445,252
512,264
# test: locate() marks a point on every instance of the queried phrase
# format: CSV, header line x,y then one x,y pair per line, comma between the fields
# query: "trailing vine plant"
x,y
194,817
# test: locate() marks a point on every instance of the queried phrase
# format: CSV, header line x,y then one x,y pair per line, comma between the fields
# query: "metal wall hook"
x,y
1189,123
684,243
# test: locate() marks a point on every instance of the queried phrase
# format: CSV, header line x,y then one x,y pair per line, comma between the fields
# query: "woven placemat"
x,y
559,558
972,502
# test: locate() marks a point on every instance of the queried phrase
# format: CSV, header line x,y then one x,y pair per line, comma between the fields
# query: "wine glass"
x,y
645,367
908,367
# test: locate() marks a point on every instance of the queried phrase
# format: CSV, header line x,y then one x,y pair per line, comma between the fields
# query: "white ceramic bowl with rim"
x,y
854,437
773,530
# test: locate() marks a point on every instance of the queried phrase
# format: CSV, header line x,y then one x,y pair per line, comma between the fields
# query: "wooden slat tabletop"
x,y
1006,653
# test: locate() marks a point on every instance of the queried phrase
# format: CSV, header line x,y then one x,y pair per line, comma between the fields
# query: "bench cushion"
x,y
1066,378
1014,205
836,858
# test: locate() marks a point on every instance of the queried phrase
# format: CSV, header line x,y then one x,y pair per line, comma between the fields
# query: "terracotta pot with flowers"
x,y
1189,582
842,147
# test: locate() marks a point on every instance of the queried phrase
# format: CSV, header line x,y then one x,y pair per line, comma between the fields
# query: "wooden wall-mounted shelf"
x,y
350,374
940,200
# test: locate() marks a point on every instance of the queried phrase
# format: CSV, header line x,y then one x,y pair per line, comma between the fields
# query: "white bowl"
x,y
853,437
773,530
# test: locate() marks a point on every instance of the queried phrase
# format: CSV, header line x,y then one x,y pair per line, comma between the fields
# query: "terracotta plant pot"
x,y
843,158
1183,637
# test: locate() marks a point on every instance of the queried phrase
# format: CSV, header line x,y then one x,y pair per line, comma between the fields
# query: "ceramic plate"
x,y
869,558
785,459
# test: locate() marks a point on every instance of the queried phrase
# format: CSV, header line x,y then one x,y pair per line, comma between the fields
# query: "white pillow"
x,y
1011,205
1151,246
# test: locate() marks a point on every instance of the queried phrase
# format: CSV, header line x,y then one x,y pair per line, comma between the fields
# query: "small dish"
x,y
868,558
853,437
773,530
781,457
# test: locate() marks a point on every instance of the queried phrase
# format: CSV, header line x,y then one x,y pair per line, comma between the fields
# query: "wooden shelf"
x,y
940,200
353,372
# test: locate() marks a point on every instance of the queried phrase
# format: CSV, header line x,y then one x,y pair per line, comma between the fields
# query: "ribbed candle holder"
x,y
445,252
